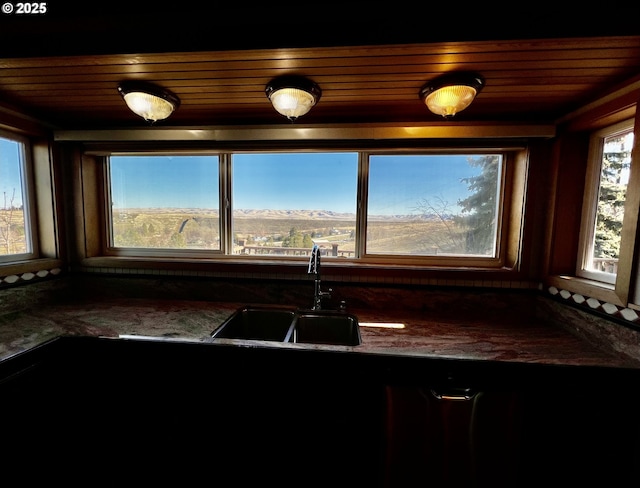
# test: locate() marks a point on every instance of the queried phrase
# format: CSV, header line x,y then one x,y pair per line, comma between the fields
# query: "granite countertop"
x,y
471,337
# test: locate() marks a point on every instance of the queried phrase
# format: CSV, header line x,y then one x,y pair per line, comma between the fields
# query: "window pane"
x,y
169,202
444,205
284,203
614,176
13,217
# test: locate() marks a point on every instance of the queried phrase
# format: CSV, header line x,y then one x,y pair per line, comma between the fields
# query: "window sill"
x,y
588,288
336,270
30,266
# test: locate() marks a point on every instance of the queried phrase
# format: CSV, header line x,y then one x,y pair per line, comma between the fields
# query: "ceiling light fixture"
x,y
292,96
150,102
451,93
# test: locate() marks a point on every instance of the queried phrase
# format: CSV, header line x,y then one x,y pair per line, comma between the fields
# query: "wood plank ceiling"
x,y
527,79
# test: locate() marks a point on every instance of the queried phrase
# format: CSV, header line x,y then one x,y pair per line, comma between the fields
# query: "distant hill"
x,y
328,215
286,214
293,214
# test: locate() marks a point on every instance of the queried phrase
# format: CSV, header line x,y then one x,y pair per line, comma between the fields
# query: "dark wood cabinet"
x,y
160,412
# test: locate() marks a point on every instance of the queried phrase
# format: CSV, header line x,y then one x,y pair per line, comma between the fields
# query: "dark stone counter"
x,y
494,335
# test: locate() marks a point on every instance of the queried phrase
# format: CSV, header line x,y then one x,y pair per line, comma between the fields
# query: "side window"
x,y
164,202
603,208
16,232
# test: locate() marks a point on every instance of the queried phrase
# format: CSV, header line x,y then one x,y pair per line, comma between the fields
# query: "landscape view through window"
x,y
284,203
612,191
13,231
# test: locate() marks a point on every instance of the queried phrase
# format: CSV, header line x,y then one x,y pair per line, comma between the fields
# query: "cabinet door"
x,y
468,438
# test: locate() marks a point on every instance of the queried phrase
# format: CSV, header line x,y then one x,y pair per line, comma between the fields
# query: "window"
x,y
16,234
284,203
164,202
435,205
603,209
382,207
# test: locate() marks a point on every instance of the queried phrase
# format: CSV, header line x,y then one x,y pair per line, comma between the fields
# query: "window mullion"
x,y
226,204
362,204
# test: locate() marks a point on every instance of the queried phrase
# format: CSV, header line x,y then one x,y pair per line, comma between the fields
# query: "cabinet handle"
x,y
454,394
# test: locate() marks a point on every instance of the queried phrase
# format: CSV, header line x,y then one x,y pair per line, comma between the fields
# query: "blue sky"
x,y
399,184
166,181
283,182
10,176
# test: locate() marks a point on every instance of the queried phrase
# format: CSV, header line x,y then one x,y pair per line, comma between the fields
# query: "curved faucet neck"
x,y
314,269
314,261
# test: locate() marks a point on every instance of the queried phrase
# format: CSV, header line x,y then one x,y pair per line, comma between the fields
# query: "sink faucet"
x,y
314,269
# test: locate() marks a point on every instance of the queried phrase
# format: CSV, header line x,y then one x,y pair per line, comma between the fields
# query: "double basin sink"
x,y
285,324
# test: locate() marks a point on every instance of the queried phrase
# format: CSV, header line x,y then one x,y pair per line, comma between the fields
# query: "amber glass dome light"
x,y
451,93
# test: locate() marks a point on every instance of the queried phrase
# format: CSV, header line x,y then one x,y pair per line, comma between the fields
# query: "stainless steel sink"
x,y
285,324
326,327
257,323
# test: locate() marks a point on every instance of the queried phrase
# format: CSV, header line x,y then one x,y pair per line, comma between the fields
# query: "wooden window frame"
x,y
590,203
41,203
91,236
625,291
